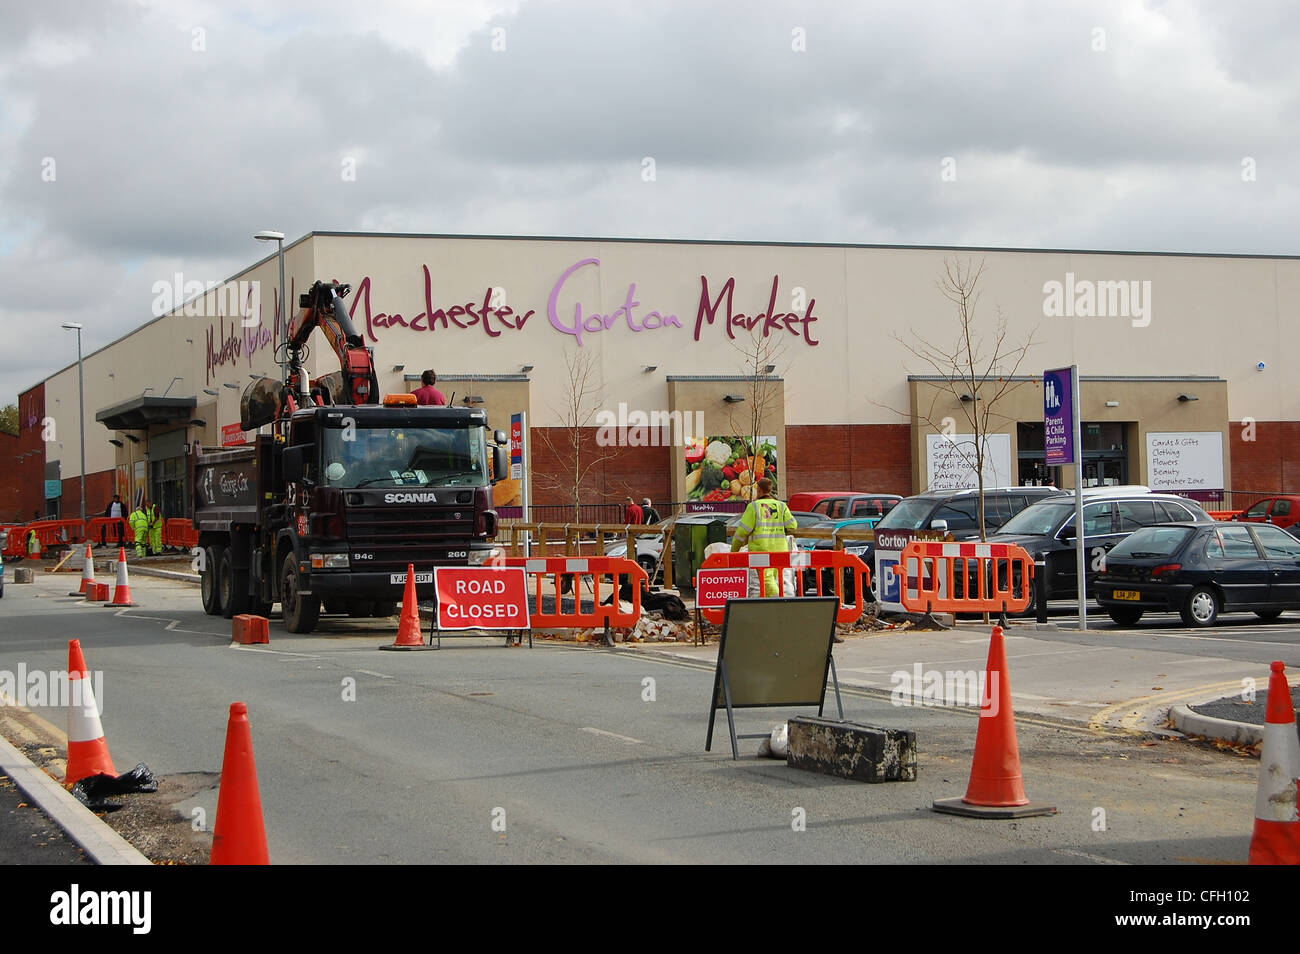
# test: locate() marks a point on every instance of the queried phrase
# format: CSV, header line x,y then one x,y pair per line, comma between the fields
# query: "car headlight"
x,y
330,561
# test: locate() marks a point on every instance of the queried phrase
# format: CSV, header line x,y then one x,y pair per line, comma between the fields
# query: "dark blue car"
x,y
1200,571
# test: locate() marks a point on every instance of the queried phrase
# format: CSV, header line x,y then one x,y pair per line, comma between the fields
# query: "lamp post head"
x,y
267,235
72,325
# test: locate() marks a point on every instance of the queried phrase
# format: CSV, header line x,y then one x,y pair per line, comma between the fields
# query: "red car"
x,y
844,504
1280,511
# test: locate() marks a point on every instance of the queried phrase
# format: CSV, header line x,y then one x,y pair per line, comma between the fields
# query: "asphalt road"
x,y
373,757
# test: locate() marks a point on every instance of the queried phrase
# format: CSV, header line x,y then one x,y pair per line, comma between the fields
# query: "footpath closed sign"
x,y
714,587
471,597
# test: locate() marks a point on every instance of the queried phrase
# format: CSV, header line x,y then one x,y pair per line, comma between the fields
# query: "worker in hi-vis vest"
x,y
764,527
142,521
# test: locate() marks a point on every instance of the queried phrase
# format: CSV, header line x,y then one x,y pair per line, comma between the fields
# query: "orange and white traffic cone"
x,y
996,789
87,747
87,575
1276,840
121,592
239,835
408,629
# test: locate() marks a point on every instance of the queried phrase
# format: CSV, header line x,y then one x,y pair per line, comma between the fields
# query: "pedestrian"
x,y
651,514
116,510
764,527
428,394
140,524
632,513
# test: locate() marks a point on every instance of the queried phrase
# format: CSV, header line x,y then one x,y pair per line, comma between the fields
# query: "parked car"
x,y
1282,511
836,505
951,511
1199,571
856,547
650,544
1110,514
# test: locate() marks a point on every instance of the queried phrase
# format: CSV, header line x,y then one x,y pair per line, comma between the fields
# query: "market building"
x,y
638,347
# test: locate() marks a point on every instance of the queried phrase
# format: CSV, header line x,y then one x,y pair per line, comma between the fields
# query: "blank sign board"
x,y
776,651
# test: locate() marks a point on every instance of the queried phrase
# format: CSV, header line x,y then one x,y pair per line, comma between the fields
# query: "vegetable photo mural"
x,y
720,469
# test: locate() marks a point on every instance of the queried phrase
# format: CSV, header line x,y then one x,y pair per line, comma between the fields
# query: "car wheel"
x,y
1124,616
1201,608
1268,615
209,592
300,611
648,563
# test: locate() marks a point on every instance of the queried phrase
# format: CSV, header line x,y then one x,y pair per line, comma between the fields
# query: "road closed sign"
x,y
714,587
481,597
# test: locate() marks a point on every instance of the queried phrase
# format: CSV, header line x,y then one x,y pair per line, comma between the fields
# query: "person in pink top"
x,y
429,394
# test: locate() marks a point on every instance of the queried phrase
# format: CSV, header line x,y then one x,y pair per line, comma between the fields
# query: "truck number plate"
x,y
419,577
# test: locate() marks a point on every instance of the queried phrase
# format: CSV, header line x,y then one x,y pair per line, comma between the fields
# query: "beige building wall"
x,y
1216,316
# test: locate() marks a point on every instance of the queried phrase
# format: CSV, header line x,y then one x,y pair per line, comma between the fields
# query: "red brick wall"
x,y
1268,464
617,472
858,457
30,470
99,492
11,483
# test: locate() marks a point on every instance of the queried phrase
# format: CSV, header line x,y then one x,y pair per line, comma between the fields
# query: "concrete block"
x,y
22,574
249,629
99,593
852,750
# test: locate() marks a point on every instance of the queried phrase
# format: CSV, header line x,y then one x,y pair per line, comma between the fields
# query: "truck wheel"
x,y
232,585
208,589
384,609
300,611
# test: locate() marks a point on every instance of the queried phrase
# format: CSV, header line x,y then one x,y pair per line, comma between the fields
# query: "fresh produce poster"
x,y
726,468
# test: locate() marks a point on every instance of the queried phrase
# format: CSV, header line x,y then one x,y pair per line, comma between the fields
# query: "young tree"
x,y
583,397
760,354
9,418
977,369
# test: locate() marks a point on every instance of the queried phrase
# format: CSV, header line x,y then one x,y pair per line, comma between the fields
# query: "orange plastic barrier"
x,y
179,532
965,577
104,530
1223,514
799,560
550,573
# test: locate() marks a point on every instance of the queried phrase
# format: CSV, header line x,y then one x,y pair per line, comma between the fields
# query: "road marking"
x,y
275,652
371,672
1225,639
612,735
1083,854
1129,722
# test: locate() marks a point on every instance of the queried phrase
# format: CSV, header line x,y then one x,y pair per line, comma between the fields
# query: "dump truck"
x,y
329,508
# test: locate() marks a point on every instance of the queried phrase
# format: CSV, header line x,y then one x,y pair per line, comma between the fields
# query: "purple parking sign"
x,y
1058,417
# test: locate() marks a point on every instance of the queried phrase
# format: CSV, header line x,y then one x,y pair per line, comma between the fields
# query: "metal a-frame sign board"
x,y
773,652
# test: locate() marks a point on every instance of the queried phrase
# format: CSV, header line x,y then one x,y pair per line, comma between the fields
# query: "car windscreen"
x,y
1151,542
1040,519
908,515
403,456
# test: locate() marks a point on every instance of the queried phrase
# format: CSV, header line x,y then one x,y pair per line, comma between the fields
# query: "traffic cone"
x,y
1277,827
996,788
121,592
87,747
408,629
87,576
239,835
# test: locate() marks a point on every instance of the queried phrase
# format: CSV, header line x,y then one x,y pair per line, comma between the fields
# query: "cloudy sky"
x,y
138,139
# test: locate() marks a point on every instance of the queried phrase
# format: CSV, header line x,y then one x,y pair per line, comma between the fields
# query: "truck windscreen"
x,y
404,457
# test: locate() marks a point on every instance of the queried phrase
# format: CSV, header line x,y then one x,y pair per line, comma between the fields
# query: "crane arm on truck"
x,y
322,307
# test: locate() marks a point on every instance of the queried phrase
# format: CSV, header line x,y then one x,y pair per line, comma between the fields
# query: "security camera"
x,y
1260,366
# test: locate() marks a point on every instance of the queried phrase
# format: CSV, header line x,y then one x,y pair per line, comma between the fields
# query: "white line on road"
x,y
1083,854
275,652
371,672
612,735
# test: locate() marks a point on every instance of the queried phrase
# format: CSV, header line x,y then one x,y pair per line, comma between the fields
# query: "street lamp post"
x,y
81,420
267,235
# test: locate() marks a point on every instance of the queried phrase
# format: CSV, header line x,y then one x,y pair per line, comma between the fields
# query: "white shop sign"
x,y
1183,461
951,461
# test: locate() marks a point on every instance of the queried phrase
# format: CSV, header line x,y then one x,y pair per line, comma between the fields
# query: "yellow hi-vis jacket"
x,y
764,526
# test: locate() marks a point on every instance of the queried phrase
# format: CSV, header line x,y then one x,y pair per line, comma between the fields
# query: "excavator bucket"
x,y
260,403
